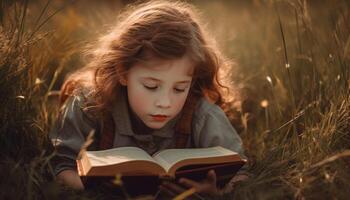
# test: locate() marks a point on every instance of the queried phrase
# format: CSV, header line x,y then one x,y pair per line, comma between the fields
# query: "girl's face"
x,y
157,89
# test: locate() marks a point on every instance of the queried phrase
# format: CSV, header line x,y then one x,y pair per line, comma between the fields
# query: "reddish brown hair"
x,y
156,29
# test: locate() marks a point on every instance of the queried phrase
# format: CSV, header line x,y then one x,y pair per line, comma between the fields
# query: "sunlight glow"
x,y
264,103
268,78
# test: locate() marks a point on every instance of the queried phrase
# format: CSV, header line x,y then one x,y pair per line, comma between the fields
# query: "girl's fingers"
x,y
165,191
200,187
207,186
173,187
211,177
189,183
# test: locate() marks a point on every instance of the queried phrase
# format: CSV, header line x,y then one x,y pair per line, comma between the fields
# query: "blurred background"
x,y
291,65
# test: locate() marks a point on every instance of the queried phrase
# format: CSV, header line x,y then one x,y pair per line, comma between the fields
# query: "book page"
x,y
167,158
118,155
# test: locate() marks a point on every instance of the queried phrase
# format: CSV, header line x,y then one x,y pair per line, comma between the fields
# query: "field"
x,y
291,65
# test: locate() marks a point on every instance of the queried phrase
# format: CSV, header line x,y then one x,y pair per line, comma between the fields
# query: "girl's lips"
x,y
159,118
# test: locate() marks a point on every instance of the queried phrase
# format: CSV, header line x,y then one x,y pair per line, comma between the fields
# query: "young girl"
x,y
153,83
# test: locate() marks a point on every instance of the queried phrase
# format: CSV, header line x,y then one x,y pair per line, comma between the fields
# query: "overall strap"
x,y
183,127
107,132
107,124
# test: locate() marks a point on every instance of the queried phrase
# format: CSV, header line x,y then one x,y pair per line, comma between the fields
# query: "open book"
x,y
133,161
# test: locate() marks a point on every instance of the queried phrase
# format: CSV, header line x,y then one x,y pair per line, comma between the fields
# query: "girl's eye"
x,y
179,90
150,87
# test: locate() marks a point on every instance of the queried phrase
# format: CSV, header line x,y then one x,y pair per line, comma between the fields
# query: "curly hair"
x,y
155,29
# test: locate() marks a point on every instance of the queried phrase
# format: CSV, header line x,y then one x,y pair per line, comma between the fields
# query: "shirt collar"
x,y
121,117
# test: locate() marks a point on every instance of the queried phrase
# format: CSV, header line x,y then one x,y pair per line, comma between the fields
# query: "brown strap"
x,y
107,125
107,132
183,126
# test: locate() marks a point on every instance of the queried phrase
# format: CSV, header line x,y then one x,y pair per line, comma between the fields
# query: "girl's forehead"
x,y
180,66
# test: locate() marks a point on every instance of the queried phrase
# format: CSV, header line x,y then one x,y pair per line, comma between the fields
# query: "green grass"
x,y
298,143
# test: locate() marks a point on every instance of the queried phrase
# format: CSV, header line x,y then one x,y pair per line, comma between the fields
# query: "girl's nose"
x,y
163,101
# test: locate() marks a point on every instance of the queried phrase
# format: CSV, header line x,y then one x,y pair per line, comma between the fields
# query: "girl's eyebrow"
x,y
158,80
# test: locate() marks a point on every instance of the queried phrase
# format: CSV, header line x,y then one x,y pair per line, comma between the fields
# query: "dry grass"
x,y
293,70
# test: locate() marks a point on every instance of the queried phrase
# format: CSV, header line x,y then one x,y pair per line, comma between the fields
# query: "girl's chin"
x,y
155,125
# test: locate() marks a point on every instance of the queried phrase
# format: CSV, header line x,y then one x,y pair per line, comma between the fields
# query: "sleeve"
x,y
69,134
213,128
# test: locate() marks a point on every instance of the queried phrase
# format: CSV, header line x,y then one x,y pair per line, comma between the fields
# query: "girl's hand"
x,y
71,179
208,186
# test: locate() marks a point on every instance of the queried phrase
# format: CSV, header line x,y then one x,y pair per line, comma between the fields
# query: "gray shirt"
x,y
210,127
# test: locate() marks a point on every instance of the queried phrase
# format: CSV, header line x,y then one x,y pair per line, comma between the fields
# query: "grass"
x,y
293,71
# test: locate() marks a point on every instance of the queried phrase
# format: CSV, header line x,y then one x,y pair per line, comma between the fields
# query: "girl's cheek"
x,y
145,96
141,97
180,100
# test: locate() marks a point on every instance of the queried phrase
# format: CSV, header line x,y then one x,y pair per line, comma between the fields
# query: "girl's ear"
x,y
122,81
